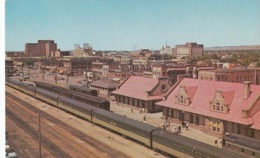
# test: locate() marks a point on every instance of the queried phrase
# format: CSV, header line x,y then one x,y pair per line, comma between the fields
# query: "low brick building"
x,y
215,107
105,86
231,75
142,92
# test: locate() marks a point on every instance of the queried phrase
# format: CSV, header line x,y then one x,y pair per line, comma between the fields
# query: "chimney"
x,y
246,91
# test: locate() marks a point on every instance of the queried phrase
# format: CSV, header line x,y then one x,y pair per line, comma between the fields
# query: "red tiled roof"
x,y
256,119
228,97
191,91
137,87
205,92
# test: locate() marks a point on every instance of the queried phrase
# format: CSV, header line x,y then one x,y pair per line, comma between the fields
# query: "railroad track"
x,y
54,149
107,151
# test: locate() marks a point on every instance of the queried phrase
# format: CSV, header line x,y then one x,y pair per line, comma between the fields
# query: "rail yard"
x,y
62,135
149,136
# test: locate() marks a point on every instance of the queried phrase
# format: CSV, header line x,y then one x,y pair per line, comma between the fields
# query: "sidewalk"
x,y
157,120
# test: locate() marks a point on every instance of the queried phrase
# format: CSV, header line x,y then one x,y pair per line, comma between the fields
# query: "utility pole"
x,y
68,75
56,74
22,72
40,145
43,74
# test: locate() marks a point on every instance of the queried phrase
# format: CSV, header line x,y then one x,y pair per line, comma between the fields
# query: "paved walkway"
x,y
156,119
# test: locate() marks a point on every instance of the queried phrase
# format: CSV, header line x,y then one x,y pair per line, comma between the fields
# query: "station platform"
x,y
157,119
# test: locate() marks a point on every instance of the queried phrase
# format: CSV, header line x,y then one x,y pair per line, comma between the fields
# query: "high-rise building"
x,y
42,48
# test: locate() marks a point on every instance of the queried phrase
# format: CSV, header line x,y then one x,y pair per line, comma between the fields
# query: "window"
x,y
163,87
181,99
214,107
222,108
218,106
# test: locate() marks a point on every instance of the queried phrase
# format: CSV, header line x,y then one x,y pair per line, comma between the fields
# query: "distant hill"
x,y
232,48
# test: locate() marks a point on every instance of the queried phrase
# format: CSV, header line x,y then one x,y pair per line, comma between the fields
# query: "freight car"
x,y
85,98
148,135
84,90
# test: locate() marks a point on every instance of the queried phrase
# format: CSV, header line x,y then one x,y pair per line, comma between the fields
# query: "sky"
x,y
131,24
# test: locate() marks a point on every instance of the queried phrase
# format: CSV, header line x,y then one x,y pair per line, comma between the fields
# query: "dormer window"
x,y
218,103
182,100
182,97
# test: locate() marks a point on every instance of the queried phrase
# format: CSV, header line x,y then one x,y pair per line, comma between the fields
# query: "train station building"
x,y
217,108
142,92
104,86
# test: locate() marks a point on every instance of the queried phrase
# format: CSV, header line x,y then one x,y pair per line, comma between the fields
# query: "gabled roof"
x,y
105,83
137,87
205,92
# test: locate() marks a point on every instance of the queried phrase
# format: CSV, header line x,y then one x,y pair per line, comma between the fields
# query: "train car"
x,y
43,85
47,96
86,98
123,125
84,90
13,83
102,104
28,89
246,146
78,108
148,135
180,146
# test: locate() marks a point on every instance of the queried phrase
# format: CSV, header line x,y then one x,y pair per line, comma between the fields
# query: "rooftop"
x,y
202,92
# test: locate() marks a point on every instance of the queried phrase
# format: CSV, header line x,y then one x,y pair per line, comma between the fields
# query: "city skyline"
x,y
129,25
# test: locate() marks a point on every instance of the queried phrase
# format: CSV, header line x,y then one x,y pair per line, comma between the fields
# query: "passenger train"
x,y
76,94
83,90
151,136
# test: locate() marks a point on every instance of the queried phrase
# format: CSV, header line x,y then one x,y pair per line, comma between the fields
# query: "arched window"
x,y
218,105
182,99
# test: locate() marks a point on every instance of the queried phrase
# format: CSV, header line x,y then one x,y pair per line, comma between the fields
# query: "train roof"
x,y
51,94
77,103
13,80
82,88
196,145
71,91
243,140
81,94
125,120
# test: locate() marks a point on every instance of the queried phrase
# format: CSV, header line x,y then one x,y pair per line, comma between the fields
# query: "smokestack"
x,y
246,91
